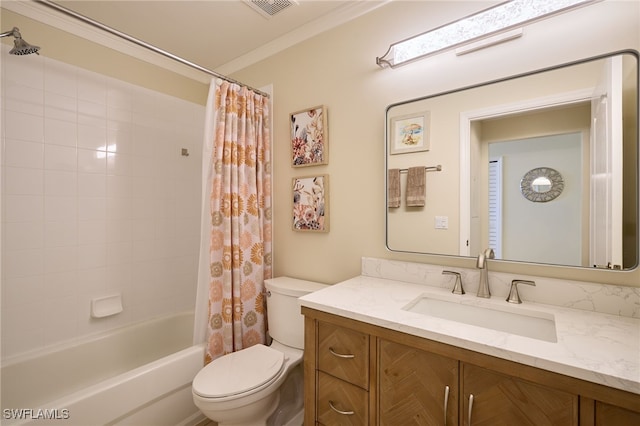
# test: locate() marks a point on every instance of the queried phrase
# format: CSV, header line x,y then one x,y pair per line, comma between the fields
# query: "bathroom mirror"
x,y
575,125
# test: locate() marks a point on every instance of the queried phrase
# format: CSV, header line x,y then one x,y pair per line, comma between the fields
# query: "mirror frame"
x,y
632,52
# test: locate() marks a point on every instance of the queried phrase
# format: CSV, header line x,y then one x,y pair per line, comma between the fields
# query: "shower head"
x,y
21,47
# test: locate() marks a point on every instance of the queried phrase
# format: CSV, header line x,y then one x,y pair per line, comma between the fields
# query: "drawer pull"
x,y
344,413
446,403
334,353
470,409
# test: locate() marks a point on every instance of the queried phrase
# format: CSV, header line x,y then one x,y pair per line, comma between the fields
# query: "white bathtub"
x,y
136,375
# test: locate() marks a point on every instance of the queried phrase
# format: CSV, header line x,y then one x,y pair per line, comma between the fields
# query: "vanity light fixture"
x,y
488,27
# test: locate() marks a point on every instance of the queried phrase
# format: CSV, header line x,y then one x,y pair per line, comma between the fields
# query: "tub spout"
x,y
483,285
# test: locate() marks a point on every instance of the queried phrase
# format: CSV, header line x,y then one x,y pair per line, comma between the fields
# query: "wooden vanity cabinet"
x,y
360,374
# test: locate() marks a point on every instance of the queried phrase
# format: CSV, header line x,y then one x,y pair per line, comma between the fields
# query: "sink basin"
x,y
514,320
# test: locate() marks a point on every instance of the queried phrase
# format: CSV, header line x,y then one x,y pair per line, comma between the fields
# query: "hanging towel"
x,y
416,186
393,188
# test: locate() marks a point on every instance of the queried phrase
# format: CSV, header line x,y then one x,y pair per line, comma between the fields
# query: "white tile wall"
x,y
96,199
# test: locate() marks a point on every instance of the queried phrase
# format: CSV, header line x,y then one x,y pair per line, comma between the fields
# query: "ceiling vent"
x,y
269,8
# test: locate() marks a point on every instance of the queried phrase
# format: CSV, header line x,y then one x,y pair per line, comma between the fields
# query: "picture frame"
x,y
410,133
309,141
310,195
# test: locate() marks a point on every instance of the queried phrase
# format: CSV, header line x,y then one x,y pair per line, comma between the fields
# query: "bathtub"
x,y
136,375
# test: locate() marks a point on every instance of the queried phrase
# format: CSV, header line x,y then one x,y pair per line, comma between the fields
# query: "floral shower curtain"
x,y
240,213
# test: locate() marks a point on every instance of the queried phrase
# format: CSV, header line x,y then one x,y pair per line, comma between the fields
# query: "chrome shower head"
x,y
21,47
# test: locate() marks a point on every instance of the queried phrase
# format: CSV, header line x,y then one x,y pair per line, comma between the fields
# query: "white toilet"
x,y
245,387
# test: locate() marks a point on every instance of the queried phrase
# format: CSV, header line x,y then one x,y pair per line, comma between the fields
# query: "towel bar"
x,y
437,168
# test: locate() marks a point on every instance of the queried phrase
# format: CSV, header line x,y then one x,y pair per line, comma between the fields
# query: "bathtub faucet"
x,y
481,263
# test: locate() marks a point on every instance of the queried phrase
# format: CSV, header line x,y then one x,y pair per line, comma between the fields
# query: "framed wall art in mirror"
x,y
409,133
544,117
541,184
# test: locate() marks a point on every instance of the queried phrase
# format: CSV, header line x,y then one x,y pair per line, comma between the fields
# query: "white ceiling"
x,y
221,35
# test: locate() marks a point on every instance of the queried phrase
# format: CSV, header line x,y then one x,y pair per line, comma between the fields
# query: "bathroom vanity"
x,y
373,358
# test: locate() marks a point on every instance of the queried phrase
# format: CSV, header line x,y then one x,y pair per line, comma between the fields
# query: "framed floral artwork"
x,y
410,133
311,203
309,144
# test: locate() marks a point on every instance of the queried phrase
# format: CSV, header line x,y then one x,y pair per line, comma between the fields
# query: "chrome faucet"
x,y
481,263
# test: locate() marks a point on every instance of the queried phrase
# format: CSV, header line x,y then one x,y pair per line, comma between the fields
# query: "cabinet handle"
x,y
446,403
470,409
334,353
344,413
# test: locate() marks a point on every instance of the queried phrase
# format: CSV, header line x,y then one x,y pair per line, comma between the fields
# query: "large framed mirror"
x,y
579,120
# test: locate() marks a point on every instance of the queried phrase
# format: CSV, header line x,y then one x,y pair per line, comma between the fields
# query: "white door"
x,y
495,206
606,168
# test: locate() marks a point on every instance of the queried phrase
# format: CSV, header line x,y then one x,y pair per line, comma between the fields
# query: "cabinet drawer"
x,y
344,353
340,403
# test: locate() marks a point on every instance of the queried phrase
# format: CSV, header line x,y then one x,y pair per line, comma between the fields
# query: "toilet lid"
x,y
238,372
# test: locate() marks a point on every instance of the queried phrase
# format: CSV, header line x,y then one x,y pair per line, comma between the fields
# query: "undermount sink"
x,y
514,320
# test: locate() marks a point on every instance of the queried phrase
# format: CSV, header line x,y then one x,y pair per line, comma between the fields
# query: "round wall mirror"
x,y
541,184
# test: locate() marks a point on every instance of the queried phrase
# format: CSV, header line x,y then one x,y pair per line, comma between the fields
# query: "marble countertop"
x,y
596,347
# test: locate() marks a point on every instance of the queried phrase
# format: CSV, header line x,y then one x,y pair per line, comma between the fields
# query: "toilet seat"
x,y
239,373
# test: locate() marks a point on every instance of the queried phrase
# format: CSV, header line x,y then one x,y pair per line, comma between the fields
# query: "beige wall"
x,y
338,69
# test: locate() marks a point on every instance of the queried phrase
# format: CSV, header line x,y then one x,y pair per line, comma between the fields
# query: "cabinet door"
x,y
493,399
416,387
610,415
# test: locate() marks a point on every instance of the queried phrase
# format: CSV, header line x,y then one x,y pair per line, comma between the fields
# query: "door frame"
x,y
466,120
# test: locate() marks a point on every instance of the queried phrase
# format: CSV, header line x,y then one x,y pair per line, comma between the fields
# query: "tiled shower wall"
x,y
97,199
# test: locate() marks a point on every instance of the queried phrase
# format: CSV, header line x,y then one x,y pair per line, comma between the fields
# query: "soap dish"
x,y
106,306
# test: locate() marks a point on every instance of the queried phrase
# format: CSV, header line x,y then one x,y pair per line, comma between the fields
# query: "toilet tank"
x,y
286,323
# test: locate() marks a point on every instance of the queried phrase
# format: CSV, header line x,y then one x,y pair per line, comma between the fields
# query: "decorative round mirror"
x,y
541,184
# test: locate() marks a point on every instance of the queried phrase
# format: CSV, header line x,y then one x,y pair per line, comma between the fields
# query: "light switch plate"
x,y
442,222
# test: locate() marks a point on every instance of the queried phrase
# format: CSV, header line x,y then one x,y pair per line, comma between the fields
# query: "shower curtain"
x,y
235,250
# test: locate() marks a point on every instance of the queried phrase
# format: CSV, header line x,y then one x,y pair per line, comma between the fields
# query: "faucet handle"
x,y
514,297
457,287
